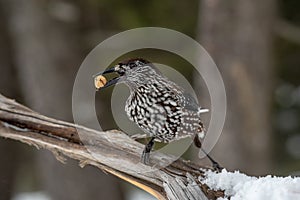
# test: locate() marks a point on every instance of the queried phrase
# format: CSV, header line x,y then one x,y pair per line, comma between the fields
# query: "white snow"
x,y
239,186
39,195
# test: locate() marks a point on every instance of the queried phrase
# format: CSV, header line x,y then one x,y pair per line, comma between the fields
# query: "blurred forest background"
x,y
255,44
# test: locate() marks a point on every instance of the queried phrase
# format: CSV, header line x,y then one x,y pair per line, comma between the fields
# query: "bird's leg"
x,y
146,153
215,164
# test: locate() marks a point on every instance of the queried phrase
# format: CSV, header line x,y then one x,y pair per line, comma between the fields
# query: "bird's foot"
x,y
145,159
217,167
146,153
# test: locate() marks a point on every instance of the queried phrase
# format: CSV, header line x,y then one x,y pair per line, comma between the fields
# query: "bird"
x,y
160,108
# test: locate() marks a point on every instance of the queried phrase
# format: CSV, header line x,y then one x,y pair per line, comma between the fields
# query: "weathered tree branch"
x,y
113,152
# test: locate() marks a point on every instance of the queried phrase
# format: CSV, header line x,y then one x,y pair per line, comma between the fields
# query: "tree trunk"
x,y
237,34
47,56
9,151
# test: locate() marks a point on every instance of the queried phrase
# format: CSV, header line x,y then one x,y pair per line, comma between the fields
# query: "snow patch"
x,y
39,195
238,186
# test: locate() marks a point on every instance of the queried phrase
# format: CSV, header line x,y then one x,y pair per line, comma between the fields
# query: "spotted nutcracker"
x,y
157,105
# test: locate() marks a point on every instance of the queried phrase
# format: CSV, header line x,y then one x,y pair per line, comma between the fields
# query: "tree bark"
x,y
8,150
47,55
113,152
237,34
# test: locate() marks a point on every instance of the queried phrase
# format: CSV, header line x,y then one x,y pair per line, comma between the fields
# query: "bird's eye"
x,y
121,70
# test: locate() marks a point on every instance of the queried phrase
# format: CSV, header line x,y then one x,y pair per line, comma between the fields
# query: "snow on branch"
x,y
238,186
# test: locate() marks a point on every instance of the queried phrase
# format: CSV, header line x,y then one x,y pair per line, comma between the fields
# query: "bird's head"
x,y
128,66
129,71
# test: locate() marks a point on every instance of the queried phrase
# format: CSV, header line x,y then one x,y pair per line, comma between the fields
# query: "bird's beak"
x,y
110,82
107,71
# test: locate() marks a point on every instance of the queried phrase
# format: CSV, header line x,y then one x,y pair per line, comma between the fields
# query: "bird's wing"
x,y
190,102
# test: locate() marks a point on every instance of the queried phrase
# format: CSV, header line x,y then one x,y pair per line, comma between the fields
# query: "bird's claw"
x,y
145,159
217,167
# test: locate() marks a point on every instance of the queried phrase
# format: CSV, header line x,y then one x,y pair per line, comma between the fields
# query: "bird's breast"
x,y
160,114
